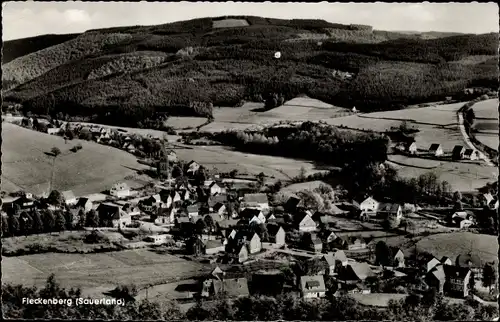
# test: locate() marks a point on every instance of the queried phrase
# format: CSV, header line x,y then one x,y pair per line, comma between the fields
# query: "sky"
x,y
29,18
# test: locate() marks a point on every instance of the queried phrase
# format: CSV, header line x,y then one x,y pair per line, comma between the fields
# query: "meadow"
x,y
95,273
486,122
225,159
26,166
436,124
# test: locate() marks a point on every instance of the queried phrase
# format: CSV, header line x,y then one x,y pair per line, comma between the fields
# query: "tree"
x,y
25,223
55,152
233,173
201,226
5,227
92,219
260,178
177,172
68,217
37,222
56,198
48,221
209,222
60,221
14,227
489,275
81,218
302,174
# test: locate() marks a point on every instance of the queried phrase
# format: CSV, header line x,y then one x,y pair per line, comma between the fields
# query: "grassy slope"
x,y
25,165
238,63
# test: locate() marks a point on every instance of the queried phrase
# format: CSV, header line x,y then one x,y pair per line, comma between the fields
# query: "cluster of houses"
x,y
459,152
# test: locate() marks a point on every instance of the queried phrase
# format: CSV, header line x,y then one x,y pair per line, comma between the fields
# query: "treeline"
x,y
425,307
312,141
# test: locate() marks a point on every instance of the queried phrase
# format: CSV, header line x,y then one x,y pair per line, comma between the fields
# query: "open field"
x,y
95,272
454,244
225,160
252,114
377,299
94,168
486,122
185,122
69,241
437,124
309,185
463,176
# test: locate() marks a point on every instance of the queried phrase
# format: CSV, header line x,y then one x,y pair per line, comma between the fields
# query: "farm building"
x,y
450,280
408,147
436,150
293,203
53,130
458,152
312,287
470,154
356,272
250,213
234,287
69,197
120,190
219,208
213,246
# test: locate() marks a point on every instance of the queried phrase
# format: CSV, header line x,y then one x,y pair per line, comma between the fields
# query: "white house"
x,y
368,205
312,287
158,239
85,204
216,189
307,224
120,190
436,149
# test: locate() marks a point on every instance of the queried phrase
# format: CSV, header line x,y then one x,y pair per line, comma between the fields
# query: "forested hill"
x,y
185,68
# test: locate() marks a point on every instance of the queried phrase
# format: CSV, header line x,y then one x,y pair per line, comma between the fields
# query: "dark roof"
x,y
273,229
455,271
434,147
292,203
82,201
314,283
109,210
218,206
468,152
438,273
249,213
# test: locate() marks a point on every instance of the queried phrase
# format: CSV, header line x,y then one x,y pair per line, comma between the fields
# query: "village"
x,y
238,228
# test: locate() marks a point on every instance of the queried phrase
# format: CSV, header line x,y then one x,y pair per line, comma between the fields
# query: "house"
x,y
85,204
317,244
307,224
219,208
251,240
158,239
433,262
217,199
355,243
368,205
239,253
389,210
312,287
450,280
53,130
231,287
458,152
329,259
216,189
250,213
356,272
457,281
292,204
192,210
185,194
255,200
331,237
276,234
410,147
164,216
147,205
336,211
462,219
470,154
446,261
436,149
111,215
398,257
120,190
24,203
488,197
471,261
192,167
130,148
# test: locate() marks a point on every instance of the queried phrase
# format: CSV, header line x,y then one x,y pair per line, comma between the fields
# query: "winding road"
x,y
468,141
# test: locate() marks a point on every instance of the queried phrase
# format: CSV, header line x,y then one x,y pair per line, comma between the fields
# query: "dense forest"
x,y
128,73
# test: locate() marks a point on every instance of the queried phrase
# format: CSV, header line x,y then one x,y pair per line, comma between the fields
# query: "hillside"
x,y
127,74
